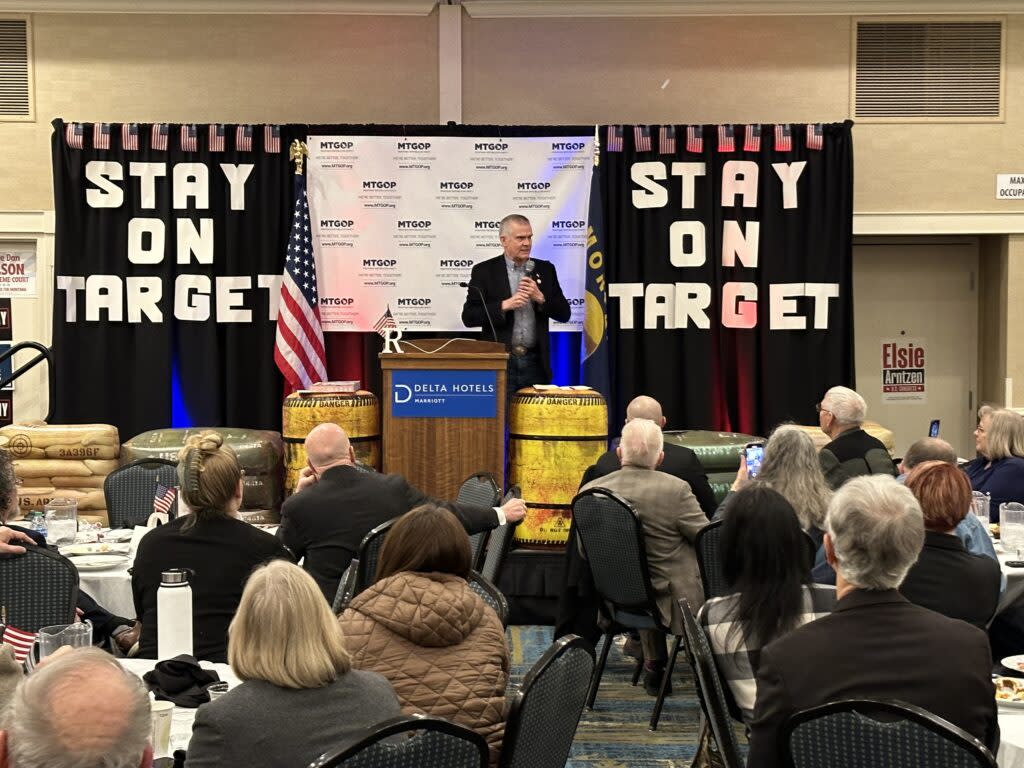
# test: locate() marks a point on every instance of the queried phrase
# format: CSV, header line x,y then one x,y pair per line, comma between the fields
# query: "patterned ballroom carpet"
x,y
615,733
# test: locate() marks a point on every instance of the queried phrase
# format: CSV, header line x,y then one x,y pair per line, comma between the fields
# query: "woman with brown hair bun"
x,y
218,549
423,628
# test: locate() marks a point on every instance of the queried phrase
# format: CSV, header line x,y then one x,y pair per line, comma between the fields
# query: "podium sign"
x,y
444,394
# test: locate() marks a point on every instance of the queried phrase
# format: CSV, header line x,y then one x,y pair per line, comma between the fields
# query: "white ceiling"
x,y
523,8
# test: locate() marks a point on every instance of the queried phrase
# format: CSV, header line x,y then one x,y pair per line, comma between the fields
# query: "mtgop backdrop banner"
x,y
399,222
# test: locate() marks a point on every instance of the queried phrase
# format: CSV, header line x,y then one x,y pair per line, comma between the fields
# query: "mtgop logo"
x,y
413,301
455,185
336,223
380,262
336,301
419,146
379,184
336,144
533,185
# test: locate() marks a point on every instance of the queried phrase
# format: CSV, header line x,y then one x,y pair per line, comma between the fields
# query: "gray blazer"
x,y
259,723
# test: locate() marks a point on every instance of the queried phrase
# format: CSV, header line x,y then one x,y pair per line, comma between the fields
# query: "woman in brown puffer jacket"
x,y
421,626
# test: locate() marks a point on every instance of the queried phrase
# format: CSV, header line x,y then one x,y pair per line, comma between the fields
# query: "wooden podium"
x,y
436,452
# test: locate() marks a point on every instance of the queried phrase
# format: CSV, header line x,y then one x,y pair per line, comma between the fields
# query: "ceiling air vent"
x,y
932,71
15,93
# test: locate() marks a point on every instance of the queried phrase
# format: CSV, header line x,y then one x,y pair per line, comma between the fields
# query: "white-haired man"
x,y
875,644
853,451
671,517
77,711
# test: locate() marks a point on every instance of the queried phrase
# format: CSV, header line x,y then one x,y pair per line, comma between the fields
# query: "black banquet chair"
x,y
710,691
709,560
130,490
433,743
863,733
544,712
490,594
613,542
37,589
479,489
369,554
499,543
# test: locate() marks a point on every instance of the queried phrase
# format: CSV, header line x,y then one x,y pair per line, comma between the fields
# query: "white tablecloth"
x,y
181,720
1014,592
1011,745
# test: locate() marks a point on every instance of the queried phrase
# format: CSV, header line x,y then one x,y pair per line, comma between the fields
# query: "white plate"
x,y
1016,663
99,562
119,534
94,549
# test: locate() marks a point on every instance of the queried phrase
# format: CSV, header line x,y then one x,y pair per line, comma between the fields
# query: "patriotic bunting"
x,y
815,138
726,141
101,135
642,138
667,140
614,142
694,138
783,138
158,136
215,140
73,135
243,138
189,138
271,138
752,138
130,137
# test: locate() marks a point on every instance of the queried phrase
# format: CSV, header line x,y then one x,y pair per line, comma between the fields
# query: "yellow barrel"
x,y
358,413
554,435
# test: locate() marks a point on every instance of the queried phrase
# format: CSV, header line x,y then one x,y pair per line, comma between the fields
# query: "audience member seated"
x,y
336,505
852,452
670,517
287,647
105,626
999,469
80,709
971,531
679,460
946,577
423,628
766,562
875,644
217,548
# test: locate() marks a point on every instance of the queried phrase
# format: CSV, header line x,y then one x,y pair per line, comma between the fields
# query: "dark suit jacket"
x,y
326,522
679,461
952,581
491,278
875,644
854,453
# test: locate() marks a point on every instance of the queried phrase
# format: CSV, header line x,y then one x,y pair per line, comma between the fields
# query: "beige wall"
x,y
322,69
992,348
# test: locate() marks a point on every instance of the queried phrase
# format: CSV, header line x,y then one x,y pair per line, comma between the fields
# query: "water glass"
x,y
161,714
61,521
979,506
57,636
1011,526
216,690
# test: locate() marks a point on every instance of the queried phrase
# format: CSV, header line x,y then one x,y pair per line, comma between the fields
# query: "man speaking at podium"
x,y
511,298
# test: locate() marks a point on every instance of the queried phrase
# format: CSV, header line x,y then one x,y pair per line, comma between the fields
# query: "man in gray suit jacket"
x,y
671,517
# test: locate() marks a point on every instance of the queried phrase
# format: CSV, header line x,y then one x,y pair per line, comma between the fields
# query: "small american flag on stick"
x,y
386,321
20,640
164,499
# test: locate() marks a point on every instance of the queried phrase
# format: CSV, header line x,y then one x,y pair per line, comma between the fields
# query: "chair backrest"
x,y
710,690
369,553
434,742
346,587
613,541
709,559
499,543
490,594
479,489
37,589
544,713
868,732
129,490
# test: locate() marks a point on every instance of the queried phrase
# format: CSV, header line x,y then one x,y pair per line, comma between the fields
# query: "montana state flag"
x,y
596,355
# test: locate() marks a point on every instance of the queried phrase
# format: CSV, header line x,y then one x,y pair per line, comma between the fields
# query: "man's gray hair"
x,y
47,728
877,531
928,449
845,405
641,443
512,218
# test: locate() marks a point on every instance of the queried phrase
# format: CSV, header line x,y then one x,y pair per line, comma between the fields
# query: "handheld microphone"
x,y
483,303
530,267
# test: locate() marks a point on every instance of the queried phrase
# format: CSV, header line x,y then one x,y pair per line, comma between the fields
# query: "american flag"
x,y
216,138
752,138
20,640
189,138
695,138
783,138
667,140
725,139
101,135
164,498
271,138
299,351
642,138
815,138
243,138
614,142
386,321
130,136
158,136
73,135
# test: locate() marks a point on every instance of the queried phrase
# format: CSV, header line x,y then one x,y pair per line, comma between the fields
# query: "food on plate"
x,y
993,528
1009,689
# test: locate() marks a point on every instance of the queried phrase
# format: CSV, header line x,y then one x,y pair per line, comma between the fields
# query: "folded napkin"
x,y
181,680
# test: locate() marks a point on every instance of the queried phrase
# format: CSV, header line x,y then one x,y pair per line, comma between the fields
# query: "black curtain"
x,y
719,377
115,366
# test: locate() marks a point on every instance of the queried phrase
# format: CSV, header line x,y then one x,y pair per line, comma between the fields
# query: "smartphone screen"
x,y
754,454
933,429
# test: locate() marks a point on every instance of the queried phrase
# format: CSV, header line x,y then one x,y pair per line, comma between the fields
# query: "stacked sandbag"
x,y
259,454
719,452
67,460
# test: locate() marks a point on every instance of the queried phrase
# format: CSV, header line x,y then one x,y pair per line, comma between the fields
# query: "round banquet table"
x,y
1011,744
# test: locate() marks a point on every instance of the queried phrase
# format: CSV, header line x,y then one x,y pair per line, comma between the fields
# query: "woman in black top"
x,y
220,550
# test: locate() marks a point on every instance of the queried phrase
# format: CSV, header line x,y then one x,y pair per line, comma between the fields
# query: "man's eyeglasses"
x,y
819,409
